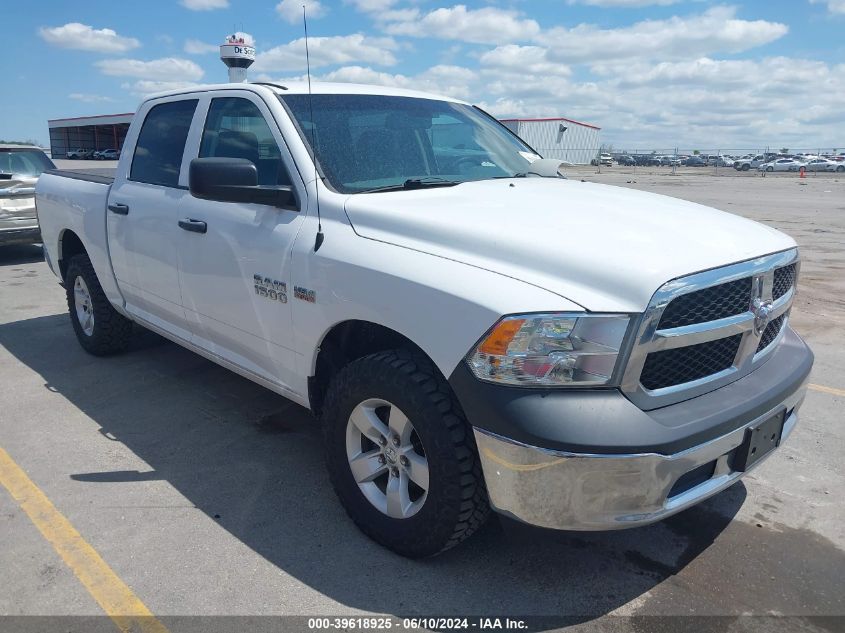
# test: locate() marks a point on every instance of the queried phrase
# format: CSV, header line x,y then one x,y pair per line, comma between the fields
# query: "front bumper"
x,y
687,456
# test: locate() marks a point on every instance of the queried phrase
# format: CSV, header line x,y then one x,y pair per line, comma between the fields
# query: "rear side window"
x,y
161,143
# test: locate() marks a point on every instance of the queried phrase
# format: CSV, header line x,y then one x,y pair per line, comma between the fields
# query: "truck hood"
x,y
605,248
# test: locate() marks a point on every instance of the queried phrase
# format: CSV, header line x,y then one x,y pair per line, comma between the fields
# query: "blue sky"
x,y
651,73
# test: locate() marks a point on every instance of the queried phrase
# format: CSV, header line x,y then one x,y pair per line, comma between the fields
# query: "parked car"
x,y
647,160
782,164
718,161
80,153
603,159
626,160
695,161
453,353
20,167
824,164
669,161
107,154
744,164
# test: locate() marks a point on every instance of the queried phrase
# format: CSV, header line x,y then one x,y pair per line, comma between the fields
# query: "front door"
x,y
235,277
142,217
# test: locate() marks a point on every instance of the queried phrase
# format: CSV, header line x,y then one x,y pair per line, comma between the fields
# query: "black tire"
x,y
746,167
840,168
112,331
770,168
456,505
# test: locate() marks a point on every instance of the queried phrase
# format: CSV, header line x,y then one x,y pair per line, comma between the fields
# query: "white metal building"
x,y
558,137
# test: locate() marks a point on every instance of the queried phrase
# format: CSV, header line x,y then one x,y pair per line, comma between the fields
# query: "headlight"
x,y
550,350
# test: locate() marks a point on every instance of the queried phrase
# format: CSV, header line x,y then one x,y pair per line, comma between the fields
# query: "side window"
x,y
161,143
235,128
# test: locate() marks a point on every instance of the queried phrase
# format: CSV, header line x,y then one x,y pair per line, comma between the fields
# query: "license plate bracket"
x,y
759,441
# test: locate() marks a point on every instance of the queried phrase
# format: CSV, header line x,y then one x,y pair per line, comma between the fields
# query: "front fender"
x,y
443,306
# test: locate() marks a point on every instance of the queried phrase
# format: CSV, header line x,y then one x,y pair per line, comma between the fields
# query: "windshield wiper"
x,y
521,174
414,183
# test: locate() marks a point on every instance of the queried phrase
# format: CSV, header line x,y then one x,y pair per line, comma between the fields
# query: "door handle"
x,y
119,209
196,226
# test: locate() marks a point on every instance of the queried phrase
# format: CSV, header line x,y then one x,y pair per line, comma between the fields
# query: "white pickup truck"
x,y
471,329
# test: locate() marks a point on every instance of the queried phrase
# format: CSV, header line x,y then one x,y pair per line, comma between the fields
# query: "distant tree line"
x,y
27,142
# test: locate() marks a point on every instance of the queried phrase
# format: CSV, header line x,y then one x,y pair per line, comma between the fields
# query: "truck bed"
x,y
102,175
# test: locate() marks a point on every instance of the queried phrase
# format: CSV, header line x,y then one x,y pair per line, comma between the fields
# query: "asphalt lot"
x,y
207,494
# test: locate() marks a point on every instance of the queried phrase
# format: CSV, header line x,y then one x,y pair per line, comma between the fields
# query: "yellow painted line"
x,y
830,390
124,608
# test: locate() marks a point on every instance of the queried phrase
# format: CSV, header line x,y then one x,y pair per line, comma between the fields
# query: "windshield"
x,y
24,162
367,142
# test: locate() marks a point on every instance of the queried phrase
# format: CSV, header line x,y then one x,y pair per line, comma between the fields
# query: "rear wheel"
x,y
840,168
99,328
401,456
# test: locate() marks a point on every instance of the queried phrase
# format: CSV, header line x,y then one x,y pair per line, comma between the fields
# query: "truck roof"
x,y
317,87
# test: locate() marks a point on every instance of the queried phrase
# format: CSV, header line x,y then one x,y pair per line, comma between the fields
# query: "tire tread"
x,y
112,330
474,507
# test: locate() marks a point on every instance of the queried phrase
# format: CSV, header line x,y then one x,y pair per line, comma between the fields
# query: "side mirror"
x,y
235,180
548,167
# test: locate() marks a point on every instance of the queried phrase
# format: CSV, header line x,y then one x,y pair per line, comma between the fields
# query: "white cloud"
x,y
833,6
328,51
625,4
88,98
715,30
701,103
165,69
371,6
522,59
144,87
86,38
197,47
453,81
205,5
487,25
291,10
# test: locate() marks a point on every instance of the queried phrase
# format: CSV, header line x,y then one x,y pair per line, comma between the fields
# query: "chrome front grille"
x,y
706,330
784,280
707,304
672,367
771,333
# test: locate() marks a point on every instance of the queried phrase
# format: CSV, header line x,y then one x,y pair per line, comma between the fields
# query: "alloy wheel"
x,y
387,459
84,306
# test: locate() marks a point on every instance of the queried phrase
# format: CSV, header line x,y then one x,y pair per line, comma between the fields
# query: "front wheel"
x,y
401,456
770,168
840,168
99,328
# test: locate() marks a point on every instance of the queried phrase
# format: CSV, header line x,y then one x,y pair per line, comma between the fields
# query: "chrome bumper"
x,y
578,491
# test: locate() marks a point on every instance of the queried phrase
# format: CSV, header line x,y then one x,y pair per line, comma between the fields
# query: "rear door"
x,y
235,277
142,214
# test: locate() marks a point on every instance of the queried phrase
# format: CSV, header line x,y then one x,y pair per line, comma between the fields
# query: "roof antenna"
x,y
318,241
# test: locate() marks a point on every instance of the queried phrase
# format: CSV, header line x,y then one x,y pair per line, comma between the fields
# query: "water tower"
x,y
238,56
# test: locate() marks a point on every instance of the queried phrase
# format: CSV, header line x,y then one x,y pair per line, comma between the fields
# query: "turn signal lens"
x,y
550,350
500,338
